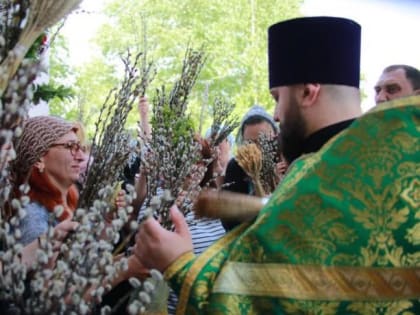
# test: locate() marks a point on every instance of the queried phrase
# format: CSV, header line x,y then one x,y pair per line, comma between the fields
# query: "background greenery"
x,y
233,35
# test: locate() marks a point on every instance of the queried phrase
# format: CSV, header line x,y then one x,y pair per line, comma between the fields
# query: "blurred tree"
x,y
59,75
233,33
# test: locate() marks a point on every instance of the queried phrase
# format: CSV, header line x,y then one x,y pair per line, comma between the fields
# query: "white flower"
x,y
110,270
7,257
102,262
47,273
42,258
106,310
117,224
134,308
134,225
75,298
100,291
57,288
50,232
42,241
14,220
81,237
83,308
128,199
37,284
81,282
61,266
135,283
94,271
148,286
10,240
58,211
124,264
167,195
116,238
130,188
156,274
155,202
29,94
122,215
92,255
24,188
23,81
15,204
85,220
21,213
129,209
18,247
80,213
18,234
145,298
19,288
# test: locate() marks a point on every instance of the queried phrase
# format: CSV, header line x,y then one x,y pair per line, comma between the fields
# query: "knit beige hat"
x,y
39,133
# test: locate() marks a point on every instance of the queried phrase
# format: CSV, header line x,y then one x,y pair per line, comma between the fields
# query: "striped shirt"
x,y
204,232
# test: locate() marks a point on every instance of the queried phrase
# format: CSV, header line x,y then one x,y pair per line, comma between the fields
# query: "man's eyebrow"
x,y
392,84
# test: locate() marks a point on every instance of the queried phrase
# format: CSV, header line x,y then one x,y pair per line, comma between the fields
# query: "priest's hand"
x,y
157,247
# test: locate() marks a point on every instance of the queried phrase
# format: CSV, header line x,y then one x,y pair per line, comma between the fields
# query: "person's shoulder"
x,y
35,209
233,164
233,168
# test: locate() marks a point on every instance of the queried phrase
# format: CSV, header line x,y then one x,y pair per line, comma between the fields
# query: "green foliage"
x,y
37,46
47,92
182,126
233,34
61,75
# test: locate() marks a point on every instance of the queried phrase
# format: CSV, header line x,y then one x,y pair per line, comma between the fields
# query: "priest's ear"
x,y
310,93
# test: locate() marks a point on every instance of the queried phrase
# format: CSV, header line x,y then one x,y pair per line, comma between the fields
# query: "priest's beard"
x,y
292,132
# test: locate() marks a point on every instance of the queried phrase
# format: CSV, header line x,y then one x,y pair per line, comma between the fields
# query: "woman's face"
x,y
252,132
61,164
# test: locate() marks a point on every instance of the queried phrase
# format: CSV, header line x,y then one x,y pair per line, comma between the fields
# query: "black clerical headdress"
x,y
322,50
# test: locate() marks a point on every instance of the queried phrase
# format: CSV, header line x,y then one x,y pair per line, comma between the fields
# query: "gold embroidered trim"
x,y
399,102
200,262
178,264
319,282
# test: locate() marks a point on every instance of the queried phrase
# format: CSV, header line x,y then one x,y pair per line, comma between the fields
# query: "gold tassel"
x,y
227,205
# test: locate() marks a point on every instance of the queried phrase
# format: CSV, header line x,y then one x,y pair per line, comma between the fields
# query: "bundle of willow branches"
x,y
269,147
172,153
112,145
70,279
258,159
223,122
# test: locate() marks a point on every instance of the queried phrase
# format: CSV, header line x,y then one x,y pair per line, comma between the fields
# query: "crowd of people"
x,y
334,235
338,235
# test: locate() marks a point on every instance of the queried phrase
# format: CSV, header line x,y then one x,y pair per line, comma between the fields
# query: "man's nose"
x,y
80,155
381,96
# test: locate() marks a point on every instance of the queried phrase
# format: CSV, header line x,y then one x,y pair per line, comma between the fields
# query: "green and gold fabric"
x,y
340,235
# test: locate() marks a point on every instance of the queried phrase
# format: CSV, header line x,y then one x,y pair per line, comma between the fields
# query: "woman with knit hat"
x,y
255,122
48,158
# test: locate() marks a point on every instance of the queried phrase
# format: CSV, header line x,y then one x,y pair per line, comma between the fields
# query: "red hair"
x,y
44,192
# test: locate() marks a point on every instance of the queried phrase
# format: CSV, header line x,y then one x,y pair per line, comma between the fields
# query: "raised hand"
x,y
157,247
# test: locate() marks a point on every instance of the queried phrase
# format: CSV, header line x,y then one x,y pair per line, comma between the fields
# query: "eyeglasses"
x,y
74,147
